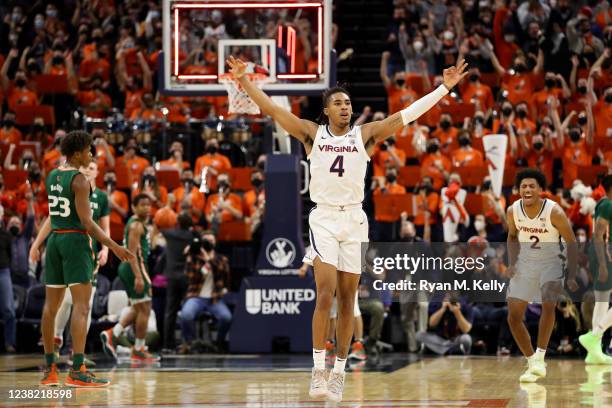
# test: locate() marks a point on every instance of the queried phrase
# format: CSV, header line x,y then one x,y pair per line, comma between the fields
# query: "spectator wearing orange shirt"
x,y
426,201
475,91
104,155
539,153
519,82
95,102
135,164
554,87
25,161
603,114
213,162
9,134
176,157
53,157
576,150
147,111
446,133
18,94
435,164
466,155
149,185
385,223
523,120
386,156
189,197
118,204
134,87
38,133
399,96
254,203
223,206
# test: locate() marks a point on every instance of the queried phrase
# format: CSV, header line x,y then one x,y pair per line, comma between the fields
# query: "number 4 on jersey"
x,y
338,166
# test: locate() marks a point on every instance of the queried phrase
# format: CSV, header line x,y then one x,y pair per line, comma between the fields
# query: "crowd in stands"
x,y
540,72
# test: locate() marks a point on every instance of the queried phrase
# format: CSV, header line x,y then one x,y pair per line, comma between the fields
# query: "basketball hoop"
x,y
239,100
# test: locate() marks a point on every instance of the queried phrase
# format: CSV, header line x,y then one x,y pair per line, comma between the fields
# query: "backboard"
x,y
290,41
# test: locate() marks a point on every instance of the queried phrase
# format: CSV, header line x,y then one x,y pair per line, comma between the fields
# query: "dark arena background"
x,y
213,198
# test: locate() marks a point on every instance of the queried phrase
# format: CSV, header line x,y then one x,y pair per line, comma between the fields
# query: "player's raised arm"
x,y
81,188
381,130
559,221
301,129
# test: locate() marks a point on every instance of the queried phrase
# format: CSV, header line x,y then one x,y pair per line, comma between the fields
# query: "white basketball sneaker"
x,y
335,386
535,369
318,384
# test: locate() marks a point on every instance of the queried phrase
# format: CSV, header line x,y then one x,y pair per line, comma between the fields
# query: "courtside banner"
x,y
479,271
495,152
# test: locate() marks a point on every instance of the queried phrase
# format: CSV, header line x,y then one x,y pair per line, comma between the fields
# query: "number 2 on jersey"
x,y
64,206
338,166
535,241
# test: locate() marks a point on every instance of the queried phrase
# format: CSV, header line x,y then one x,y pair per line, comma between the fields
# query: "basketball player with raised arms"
x,y
338,155
537,264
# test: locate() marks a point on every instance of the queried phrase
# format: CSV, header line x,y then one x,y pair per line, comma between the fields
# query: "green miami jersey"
x,y
69,258
603,209
98,202
62,207
126,273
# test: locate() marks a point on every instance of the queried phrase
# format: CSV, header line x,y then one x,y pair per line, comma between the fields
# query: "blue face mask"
x,y
38,24
51,13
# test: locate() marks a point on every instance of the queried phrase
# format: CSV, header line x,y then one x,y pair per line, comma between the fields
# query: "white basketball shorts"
x,y
529,279
336,235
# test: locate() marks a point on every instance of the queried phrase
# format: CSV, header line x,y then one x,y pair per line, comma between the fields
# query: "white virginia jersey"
x,y
338,167
543,239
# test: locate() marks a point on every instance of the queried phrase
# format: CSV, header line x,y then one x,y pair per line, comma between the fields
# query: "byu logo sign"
x,y
280,252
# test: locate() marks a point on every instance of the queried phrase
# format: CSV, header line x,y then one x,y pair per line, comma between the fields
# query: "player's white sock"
x,y
601,313
62,317
318,357
339,365
117,330
603,324
539,354
139,344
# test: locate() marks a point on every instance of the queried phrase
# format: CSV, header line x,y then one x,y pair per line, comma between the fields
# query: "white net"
x,y
239,100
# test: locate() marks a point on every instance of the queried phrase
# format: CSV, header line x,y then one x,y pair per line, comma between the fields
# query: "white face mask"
x,y
479,225
418,46
581,238
448,35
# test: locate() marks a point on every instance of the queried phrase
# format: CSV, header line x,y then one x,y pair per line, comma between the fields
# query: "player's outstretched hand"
x,y
237,67
454,75
124,254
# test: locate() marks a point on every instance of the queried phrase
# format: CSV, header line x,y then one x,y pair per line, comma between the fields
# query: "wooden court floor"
x,y
431,382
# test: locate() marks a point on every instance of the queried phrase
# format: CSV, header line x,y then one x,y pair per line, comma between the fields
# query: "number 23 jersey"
x,y
62,209
540,240
338,167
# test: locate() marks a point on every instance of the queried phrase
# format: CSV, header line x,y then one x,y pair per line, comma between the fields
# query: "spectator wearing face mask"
x,y
554,87
95,102
523,120
399,95
602,111
39,133
385,223
9,134
176,157
53,156
24,162
466,155
147,111
118,204
580,85
432,117
133,86
540,153
18,94
254,201
20,244
519,82
104,155
576,150
212,163
446,133
188,196
504,37
494,209
452,208
135,163
435,164
426,202
150,186
386,155
223,206
475,90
